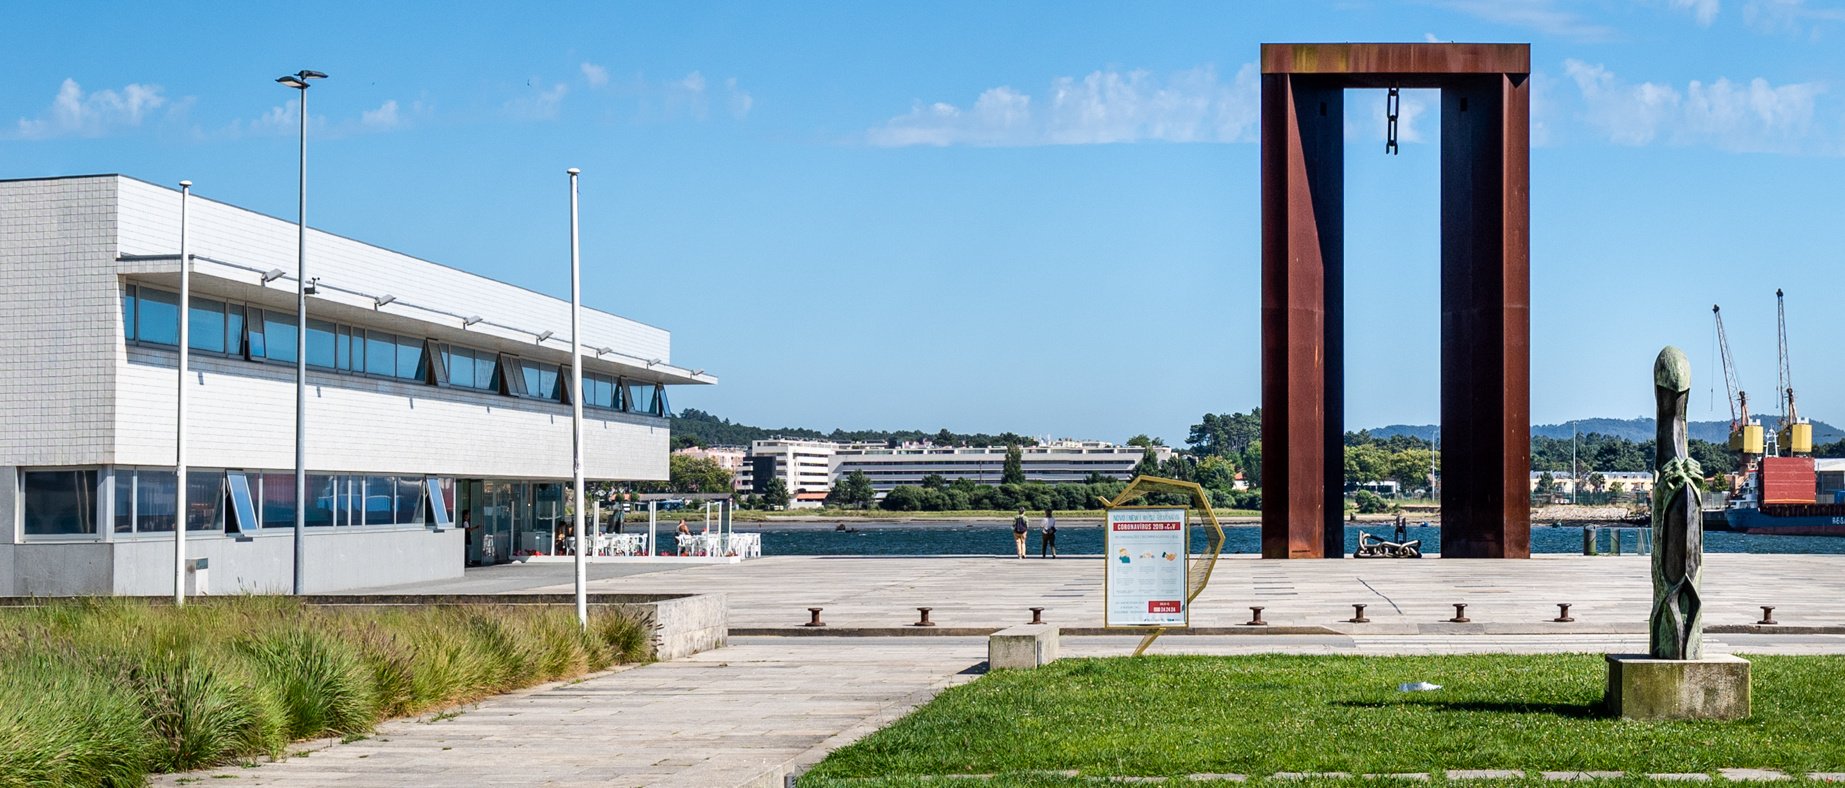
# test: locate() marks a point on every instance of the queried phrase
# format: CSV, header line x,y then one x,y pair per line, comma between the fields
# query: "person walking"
x,y
1402,530
1019,527
682,535
1047,535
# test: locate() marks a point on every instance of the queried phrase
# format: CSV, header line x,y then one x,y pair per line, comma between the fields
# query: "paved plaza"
x,y
1607,594
765,706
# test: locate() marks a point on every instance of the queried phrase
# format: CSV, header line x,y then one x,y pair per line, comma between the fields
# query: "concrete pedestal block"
x,y
1024,646
1643,688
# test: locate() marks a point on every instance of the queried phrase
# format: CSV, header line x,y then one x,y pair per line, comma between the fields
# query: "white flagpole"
x,y
576,409
179,453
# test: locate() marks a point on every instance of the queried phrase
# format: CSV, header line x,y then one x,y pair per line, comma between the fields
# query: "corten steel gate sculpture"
x,y
1485,313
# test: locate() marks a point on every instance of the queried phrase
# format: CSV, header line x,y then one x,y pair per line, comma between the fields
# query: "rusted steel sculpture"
x,y
1677,622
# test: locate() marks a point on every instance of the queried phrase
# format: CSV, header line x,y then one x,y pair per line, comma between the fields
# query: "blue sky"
x,y
1038,217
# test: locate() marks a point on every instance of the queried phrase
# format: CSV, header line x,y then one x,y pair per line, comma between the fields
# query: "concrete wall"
x,y
337,560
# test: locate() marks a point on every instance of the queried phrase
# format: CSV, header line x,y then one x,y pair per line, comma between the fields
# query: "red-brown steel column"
x,y
1485,316
1302,324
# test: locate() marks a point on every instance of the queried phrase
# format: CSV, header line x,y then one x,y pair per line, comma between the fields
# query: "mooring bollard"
x,y
1590,543
1358,615
1563,613
1255,618
1768,615
1037,615
924,621
815,621
1460,613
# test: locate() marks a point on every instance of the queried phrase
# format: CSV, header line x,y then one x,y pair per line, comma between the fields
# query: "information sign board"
x,y
1146,552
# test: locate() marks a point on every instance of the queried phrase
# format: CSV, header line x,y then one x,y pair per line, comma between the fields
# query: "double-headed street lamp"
x,y
299,81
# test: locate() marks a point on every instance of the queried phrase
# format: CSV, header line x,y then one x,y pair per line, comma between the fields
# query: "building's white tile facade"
x,y
74,393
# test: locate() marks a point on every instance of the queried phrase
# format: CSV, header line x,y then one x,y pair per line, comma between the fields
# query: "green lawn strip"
x,y
106,691
1258,715
1038,780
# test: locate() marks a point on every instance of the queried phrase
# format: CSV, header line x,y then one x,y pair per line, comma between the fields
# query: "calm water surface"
x,y
989,538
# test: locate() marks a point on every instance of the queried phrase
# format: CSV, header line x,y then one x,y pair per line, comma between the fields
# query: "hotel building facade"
x,y
810,468
436,398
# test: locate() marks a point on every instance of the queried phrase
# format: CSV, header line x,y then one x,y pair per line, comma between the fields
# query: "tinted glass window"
x,y
279,334
409,500
409,358
128,312
124,500
380,354
207,325
204,499
378,498
486,371
59,503
233,329
320,497
155,495
342,348
276,501
320,344
158,318
259,344
460,365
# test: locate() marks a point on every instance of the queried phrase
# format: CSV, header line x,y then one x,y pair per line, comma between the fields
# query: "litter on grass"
x,y
1420,686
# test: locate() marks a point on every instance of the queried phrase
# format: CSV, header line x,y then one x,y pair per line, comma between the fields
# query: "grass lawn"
x,y
1179,715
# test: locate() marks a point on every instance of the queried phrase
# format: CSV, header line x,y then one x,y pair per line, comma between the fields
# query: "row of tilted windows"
x,y
151,317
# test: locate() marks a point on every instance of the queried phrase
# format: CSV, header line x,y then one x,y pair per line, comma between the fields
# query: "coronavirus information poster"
x,y
1146,576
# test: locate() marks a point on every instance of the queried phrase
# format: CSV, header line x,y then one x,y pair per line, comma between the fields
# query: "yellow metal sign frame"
x,y
1197,570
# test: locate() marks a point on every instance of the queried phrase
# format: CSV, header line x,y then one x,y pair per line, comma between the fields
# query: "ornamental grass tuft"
x,y
97,692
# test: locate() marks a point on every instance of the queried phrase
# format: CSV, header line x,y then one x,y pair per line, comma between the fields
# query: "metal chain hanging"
x,y
1391,102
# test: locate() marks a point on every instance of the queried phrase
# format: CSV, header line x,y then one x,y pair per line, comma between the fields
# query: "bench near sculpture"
x,y
1023,646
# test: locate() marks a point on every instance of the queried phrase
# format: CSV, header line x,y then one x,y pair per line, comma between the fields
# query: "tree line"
x,y
694,427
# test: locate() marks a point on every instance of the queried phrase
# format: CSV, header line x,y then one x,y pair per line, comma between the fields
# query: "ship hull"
x,y
1789,520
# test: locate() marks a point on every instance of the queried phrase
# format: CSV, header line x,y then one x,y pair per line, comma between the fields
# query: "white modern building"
x,y
811,467
435,398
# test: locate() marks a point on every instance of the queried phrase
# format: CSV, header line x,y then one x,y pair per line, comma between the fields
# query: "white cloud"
x,y
693,83
1430,38
740,100
382,118
595,75
1705,11
1103,107
1754,116
1542,16
1794,17
541,103
74,113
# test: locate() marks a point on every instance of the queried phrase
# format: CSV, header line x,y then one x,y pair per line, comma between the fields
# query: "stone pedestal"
x,y
1643,688
1023,646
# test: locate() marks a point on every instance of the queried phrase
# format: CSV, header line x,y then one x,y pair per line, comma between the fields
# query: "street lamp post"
x,y
584,540
179,442
299,81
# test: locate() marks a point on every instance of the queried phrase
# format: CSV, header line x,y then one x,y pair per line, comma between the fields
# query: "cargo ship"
x,y
1786,496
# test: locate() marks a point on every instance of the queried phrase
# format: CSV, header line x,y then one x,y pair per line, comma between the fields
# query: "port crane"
x,y
1794,434
1745,434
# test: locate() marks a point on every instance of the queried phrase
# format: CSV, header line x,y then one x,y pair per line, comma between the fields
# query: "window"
x,y
59,503
320,344
377,500
600,391
279,333
323,501
157,320
242,516
380,354
542,381
128,312
258,343
206,325
233,329
439,494
409,359
409,495
155,496
124,501
204,499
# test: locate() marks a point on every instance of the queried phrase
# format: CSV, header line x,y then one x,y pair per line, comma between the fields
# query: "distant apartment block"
x,y
811,467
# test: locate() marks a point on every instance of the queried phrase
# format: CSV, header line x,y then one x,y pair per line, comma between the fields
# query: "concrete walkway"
x,y
739,716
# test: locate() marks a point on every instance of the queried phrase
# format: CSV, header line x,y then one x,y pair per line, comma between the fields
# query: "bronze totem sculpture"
x,y
1677,621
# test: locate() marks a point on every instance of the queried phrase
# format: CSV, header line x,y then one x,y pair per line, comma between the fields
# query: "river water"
x,y
989,538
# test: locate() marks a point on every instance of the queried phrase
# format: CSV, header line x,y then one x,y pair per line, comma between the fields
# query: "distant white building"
x,y
810,468
730,458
